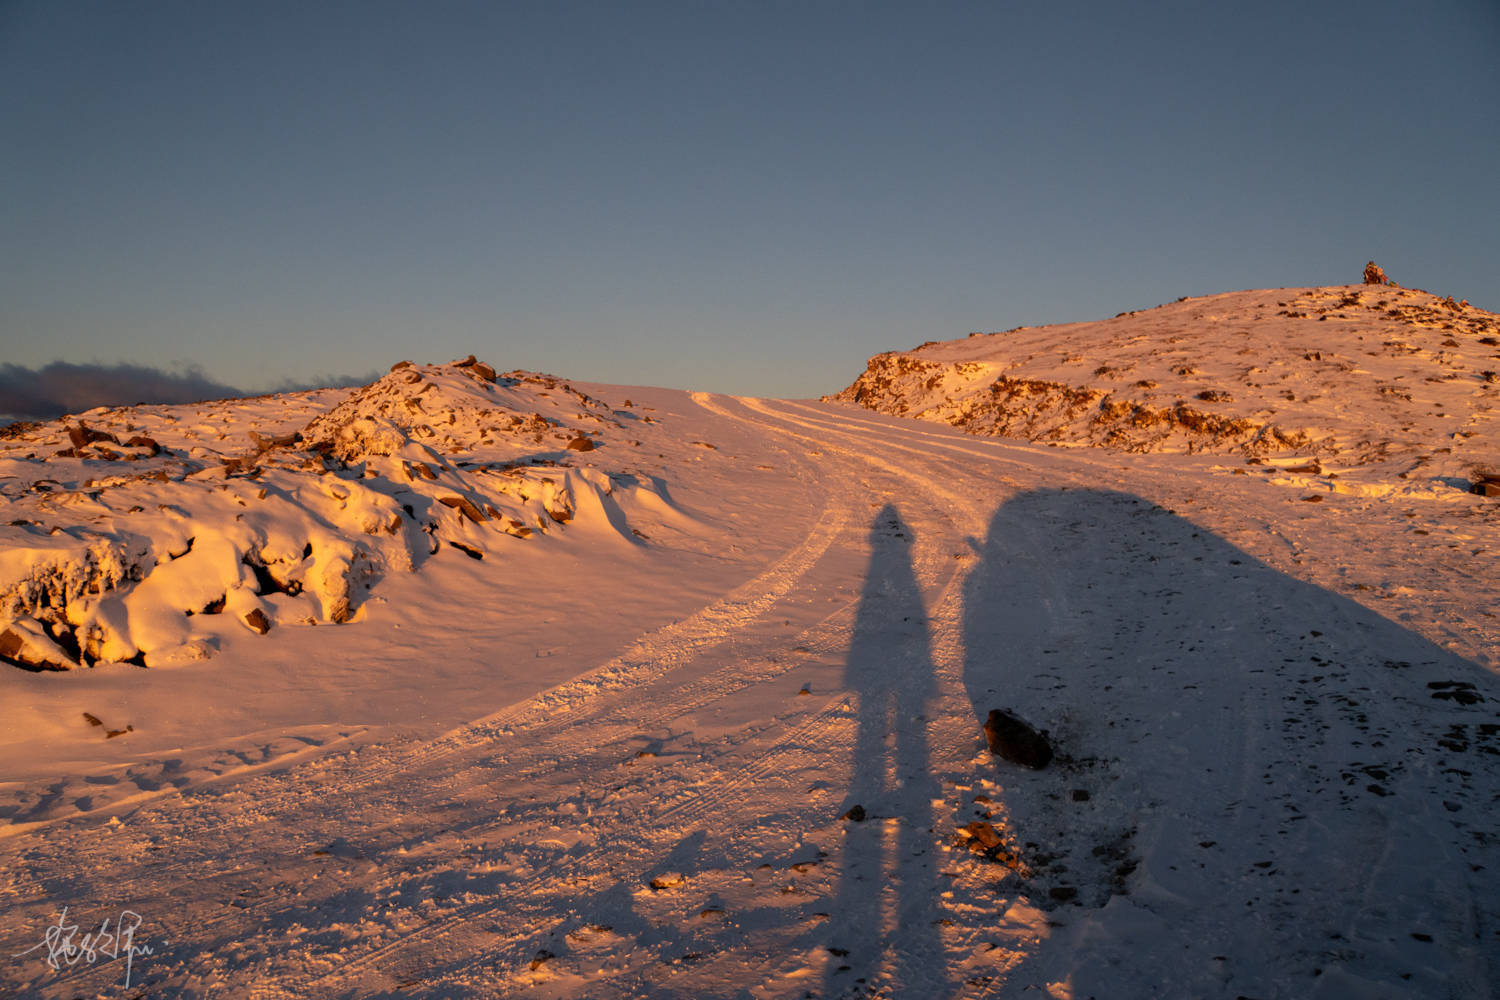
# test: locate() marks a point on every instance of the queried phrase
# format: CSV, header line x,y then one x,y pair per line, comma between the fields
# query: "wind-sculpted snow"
x,y
139,534
1359,374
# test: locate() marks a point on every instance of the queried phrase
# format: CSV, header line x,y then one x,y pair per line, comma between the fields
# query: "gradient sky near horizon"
x,y
738,197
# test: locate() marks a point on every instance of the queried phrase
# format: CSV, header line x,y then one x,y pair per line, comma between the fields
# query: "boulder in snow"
x,y
1016,740
25,644
1487,486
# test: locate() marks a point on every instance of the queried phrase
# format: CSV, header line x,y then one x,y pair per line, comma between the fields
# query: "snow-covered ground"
x,y
619,755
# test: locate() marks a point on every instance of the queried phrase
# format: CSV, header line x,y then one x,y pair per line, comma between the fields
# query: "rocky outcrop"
x,y
1046,410
1370,374
298,527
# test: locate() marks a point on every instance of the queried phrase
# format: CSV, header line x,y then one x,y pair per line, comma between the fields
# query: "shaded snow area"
x,y
469,684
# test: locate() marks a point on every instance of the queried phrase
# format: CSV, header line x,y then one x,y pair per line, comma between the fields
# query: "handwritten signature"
x,y
66,947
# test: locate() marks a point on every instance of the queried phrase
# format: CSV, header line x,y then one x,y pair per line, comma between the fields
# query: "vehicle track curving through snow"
x,y
669,822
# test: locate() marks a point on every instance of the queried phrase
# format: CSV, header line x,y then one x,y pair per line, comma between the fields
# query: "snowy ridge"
x,y
1355,374
140,534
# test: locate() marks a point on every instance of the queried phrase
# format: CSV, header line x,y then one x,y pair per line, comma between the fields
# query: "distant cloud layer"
x,y
61,387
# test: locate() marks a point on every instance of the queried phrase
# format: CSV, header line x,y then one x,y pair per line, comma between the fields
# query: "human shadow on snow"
x,y
1241,757
886,905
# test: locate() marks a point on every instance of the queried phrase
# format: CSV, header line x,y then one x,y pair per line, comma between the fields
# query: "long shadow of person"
x,y
1262,788
884,916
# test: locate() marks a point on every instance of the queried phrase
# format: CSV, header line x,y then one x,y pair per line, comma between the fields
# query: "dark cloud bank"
x,y
62,387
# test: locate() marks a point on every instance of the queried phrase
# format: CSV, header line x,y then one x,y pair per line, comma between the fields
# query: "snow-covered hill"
x,y
141,534
1350,376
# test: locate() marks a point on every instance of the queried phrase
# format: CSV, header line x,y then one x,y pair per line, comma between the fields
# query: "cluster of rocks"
x,y
88,442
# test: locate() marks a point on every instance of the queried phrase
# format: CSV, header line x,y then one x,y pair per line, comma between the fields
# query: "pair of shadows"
x,y
1177,675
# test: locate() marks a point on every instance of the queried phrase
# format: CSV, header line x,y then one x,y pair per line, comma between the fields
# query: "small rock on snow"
x,y
1013,738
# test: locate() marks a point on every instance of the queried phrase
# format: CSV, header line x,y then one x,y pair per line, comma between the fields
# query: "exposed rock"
x,y
25,644
581,443
1374,275
856,814
257,620
1460,691
1488,485
464,507
142,441
19,428
265,442
82,436
478,368
984,839
1016,740
467,550
984,835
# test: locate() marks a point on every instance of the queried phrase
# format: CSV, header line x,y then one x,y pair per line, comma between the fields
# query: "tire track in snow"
x,y
817,735
829,715
694,640
556,709
648,658
947,748
1247,739
1241,742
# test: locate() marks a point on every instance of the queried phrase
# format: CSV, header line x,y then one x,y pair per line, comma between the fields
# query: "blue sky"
x,y
740,197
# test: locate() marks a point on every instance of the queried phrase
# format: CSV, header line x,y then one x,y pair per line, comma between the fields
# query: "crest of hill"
x,y
1360,374
420,411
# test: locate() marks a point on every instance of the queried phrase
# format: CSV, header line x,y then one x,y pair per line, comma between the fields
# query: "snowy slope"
x,y
608,764
1350,376
127,544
